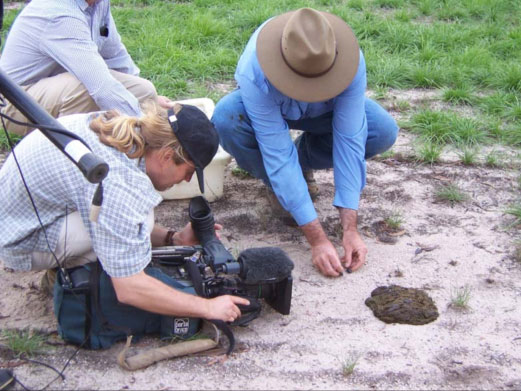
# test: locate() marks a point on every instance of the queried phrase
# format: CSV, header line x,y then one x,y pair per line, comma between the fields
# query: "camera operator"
x,y
68,55
145,154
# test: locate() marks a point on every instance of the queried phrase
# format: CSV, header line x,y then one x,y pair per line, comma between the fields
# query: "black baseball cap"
x,y
197,136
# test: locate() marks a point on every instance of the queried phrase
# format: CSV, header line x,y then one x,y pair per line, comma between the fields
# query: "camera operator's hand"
x,y
186,237
224,308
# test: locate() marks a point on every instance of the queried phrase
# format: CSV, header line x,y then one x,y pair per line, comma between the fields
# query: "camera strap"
x,y
197,281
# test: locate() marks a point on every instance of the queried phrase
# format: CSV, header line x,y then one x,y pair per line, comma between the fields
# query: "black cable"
x,y
29,194
66,364
45,365
21,384
72,135
60,373
62,268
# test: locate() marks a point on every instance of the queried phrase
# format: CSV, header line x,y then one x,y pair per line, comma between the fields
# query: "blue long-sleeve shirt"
x,y
50,37
268,110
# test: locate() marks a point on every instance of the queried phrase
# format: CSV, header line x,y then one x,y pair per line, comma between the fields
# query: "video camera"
x,y
257,273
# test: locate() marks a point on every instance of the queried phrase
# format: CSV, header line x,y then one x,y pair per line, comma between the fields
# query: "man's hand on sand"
x,y
326,259
355,250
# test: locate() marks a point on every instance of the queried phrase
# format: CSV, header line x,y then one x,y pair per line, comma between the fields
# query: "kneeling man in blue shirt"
x,y
304,70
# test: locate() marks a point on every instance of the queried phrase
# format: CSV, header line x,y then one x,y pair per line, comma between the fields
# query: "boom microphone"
x,y
262,264
93,168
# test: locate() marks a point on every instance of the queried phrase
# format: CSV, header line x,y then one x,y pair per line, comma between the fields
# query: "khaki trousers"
x,y
64,94
74,245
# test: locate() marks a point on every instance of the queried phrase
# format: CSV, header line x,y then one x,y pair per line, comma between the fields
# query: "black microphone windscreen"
x,y
264,263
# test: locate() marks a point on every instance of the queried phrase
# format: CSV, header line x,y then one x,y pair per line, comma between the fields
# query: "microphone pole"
x,y
93,168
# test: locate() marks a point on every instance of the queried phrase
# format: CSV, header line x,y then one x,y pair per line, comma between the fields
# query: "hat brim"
x,y
308,89
200,178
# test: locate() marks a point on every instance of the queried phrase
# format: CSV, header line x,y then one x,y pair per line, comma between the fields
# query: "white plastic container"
x,y
213,173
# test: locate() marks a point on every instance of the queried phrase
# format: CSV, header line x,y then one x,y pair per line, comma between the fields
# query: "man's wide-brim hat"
x,y
308,55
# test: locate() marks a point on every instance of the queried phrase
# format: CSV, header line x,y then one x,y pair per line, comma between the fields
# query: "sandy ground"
x,y
440,248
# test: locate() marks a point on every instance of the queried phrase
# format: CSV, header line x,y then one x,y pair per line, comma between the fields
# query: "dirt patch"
x,y
444,247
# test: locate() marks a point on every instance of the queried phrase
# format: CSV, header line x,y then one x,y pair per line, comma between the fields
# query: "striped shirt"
x,y
120,238
50,37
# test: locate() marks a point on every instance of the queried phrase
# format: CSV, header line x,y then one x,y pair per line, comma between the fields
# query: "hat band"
x,y
304,74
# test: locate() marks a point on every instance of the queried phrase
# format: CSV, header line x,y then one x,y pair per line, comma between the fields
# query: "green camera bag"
x,y
89,314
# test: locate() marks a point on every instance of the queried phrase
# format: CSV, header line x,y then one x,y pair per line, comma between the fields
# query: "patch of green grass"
x,y
497,102
200,41
450,193
495,128
468,131
515,210
460,297
349,364
513,111
404,15
429,153
426,7
380,93
4,145
23,342
428,53
356,4
450,12
444,128
462,96
388,72
394,220
433,126
468,156
512,135
241,173
402,105
492,160
390,153
427,76
389,3
467,48
508,79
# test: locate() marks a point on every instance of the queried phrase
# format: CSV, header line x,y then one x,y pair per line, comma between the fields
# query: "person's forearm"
x,y
158,236
314,232
150,294
348,219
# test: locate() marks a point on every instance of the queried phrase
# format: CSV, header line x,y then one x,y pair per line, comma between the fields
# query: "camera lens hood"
x,y
203,225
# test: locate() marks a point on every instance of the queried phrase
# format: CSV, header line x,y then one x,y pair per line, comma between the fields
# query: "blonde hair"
x,y
134,136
